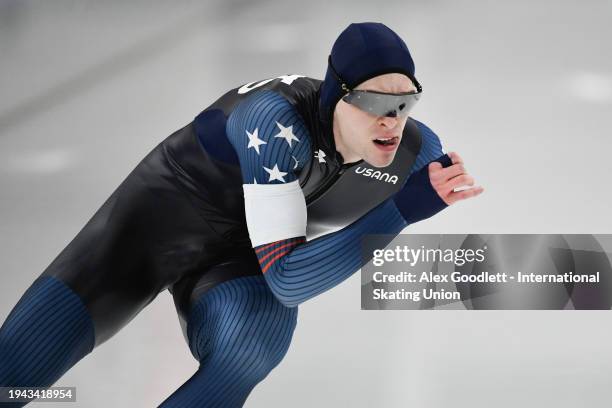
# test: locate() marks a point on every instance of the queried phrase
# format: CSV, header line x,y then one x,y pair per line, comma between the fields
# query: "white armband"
x,y
274,211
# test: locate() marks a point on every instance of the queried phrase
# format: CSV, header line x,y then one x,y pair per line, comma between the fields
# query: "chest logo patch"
x,y
378,175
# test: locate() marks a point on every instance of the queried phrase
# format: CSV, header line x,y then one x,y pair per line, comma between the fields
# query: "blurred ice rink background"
x,y
521,89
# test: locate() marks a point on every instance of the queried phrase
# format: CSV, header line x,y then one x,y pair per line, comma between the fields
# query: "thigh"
x,y
236,329
144,238
233,297
233,264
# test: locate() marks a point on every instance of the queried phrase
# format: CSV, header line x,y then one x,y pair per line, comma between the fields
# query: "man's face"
x,y
356,132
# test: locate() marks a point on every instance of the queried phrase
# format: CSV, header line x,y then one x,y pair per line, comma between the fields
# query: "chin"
x,y
380,162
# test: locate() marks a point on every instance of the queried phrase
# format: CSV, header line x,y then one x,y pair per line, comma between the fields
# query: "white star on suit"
x,y
254,140
275,173
286,133
296,162
320,155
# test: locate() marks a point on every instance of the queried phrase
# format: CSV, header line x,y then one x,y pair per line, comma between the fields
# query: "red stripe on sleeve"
x,y
266,256
258,250
267,266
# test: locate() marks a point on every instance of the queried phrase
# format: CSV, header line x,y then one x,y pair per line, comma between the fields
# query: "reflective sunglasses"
x,y
380,103
383,104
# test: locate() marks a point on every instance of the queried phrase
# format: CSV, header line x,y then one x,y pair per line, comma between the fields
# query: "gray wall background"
x,y
522,90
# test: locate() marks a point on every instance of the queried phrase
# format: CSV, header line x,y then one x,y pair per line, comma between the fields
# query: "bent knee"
x,y
241,324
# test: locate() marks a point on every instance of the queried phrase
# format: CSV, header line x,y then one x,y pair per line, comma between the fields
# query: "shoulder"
x,y
263,108
431,146
267,131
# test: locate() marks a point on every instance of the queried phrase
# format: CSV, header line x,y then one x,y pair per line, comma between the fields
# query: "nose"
x,y
388,122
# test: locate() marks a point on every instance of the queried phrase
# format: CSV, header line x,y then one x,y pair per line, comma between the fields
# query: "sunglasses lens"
x,y
381,104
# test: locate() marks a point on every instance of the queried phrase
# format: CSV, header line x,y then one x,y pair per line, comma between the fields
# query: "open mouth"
x,y
386,141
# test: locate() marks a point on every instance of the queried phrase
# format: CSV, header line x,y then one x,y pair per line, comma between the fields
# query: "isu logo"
x,y
389,178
